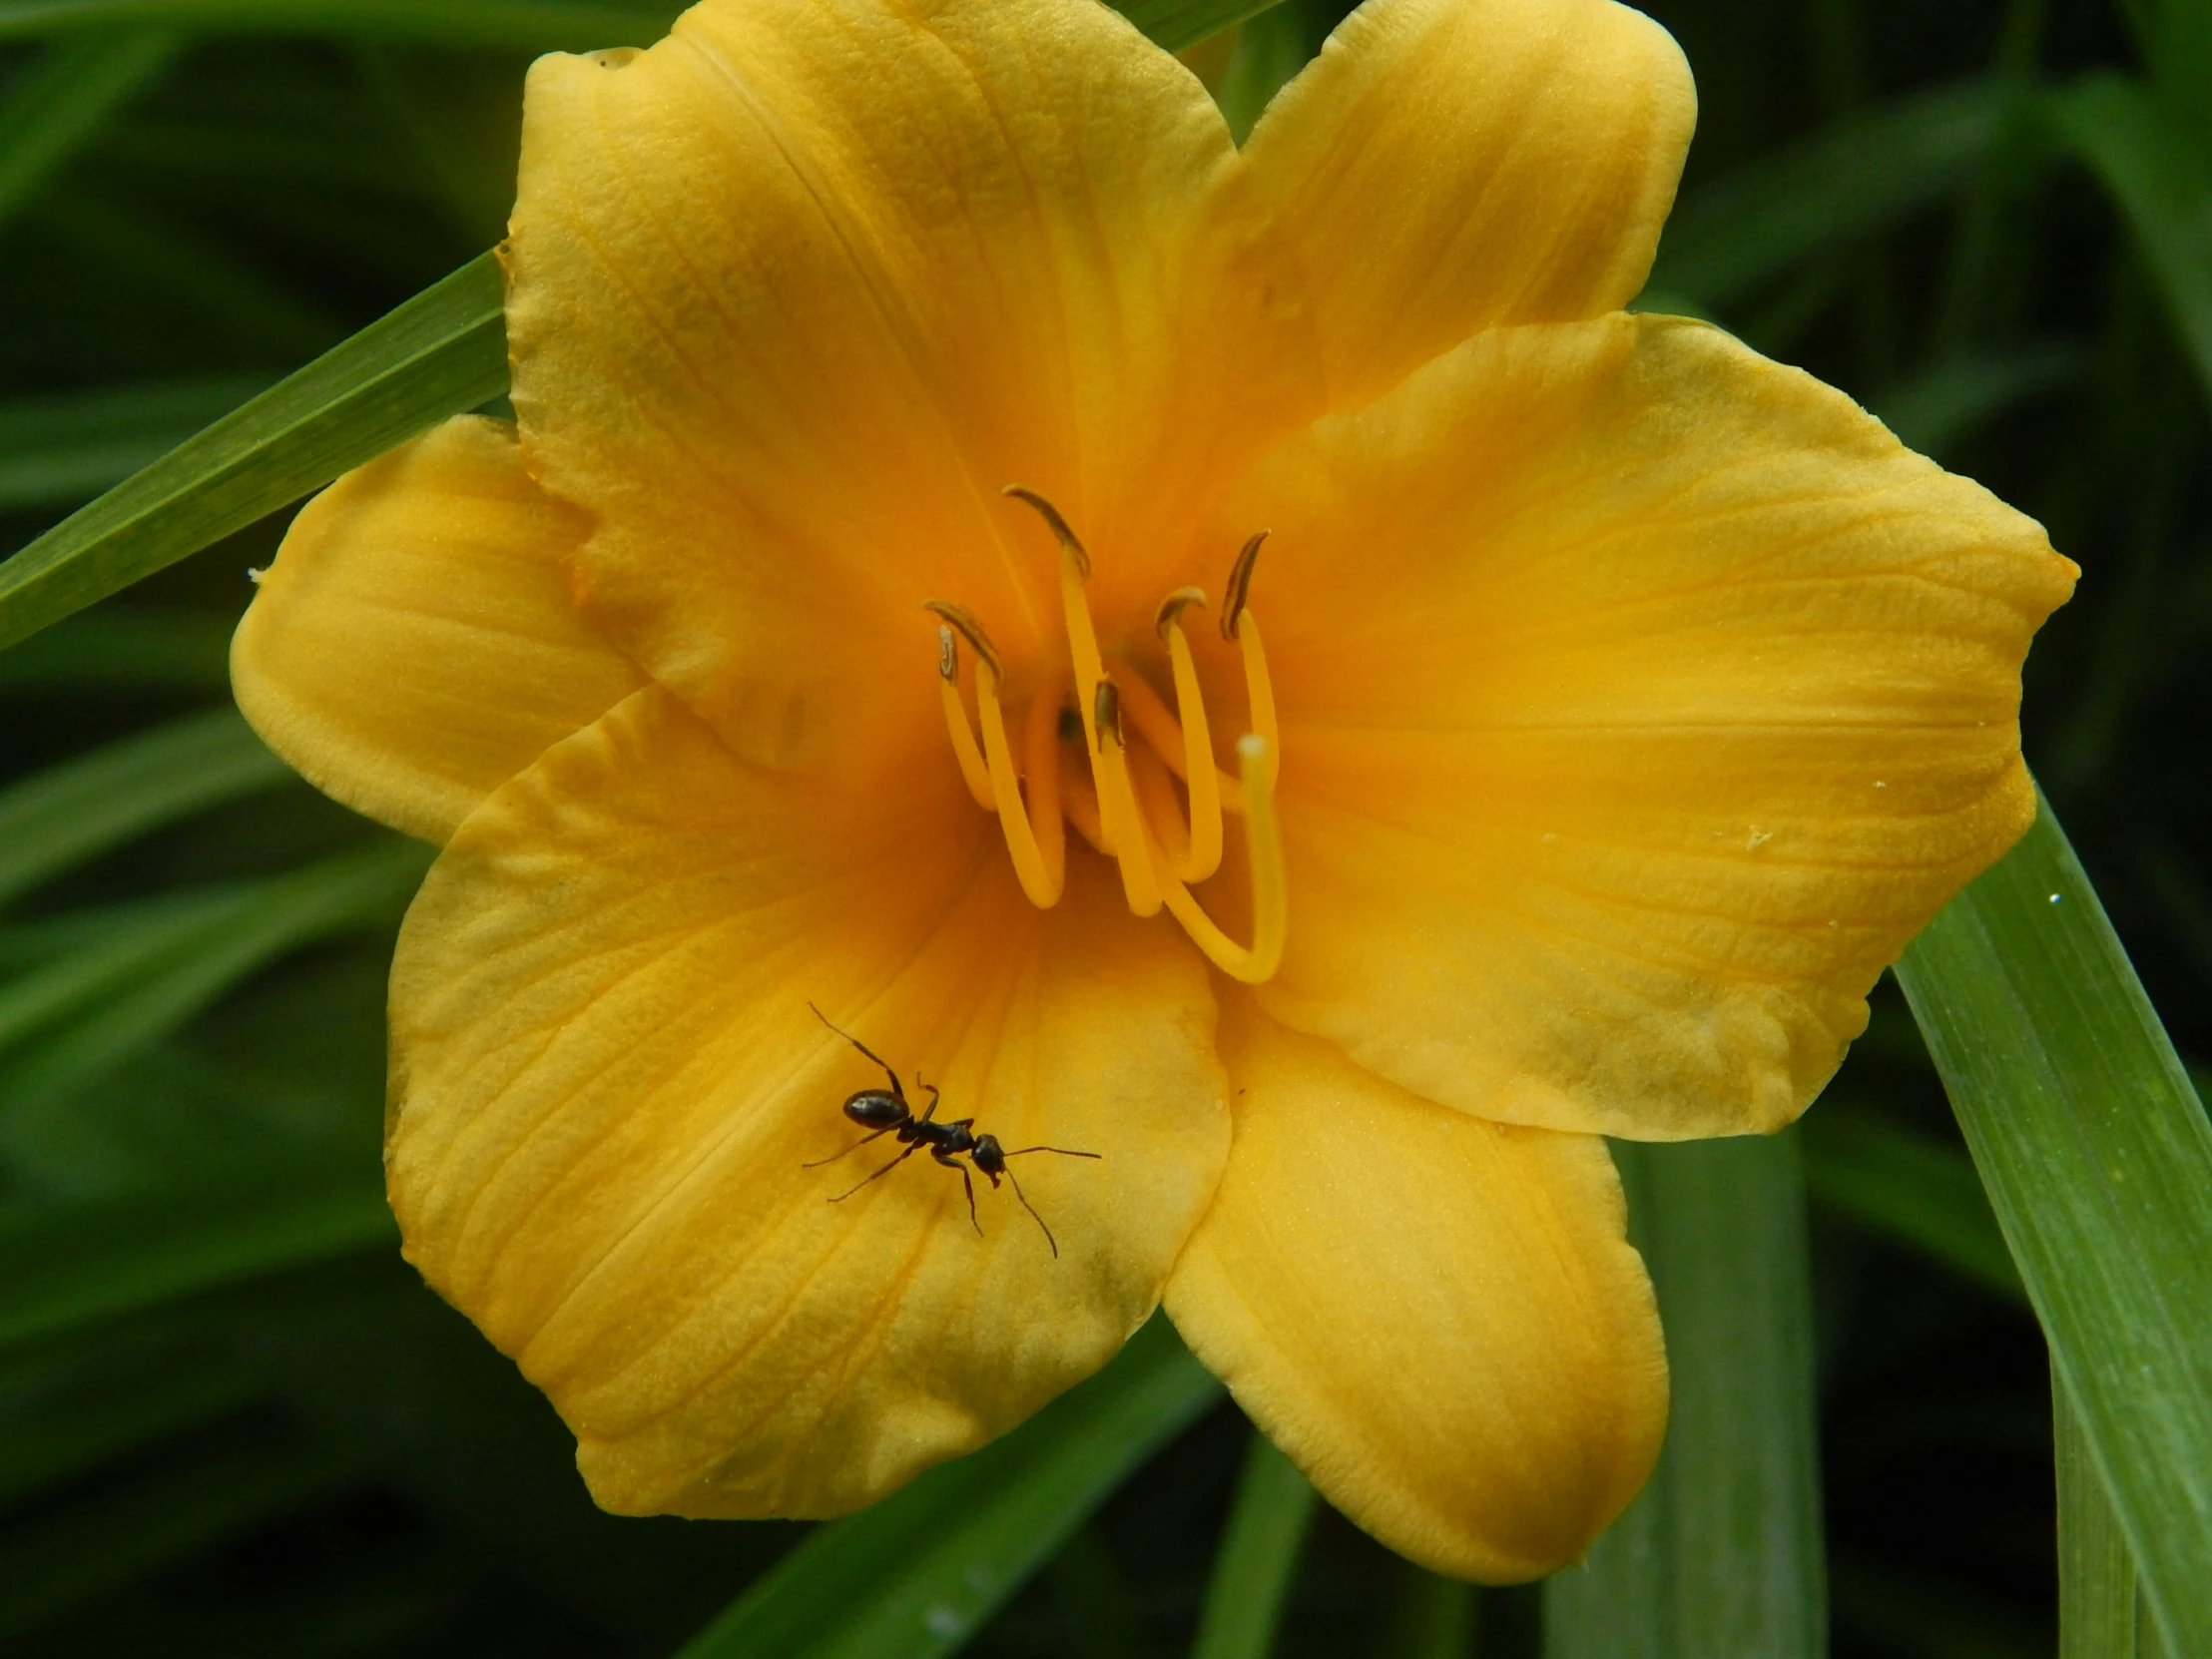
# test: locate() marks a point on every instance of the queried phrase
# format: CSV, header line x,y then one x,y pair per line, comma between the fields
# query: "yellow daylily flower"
x,y
1604,709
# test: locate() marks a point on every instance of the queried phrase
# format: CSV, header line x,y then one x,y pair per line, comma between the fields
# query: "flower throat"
x,y
1136,746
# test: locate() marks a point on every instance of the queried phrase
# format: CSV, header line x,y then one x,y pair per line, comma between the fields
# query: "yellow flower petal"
x,y
608,1084
1640,700
1438,1319
416,644
795,293
1446,165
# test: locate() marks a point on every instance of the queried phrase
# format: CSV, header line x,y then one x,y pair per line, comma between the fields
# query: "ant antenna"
x,y
857,1044
1061,1150
1052,1243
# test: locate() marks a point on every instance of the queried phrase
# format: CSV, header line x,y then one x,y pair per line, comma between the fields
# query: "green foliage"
x,y
1267,1521
2098,1157
442,351
1720,1558
918,1573
1990,228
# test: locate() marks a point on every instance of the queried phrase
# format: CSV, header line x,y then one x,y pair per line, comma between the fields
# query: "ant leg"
x,y
865,1049
1061,1150
880,1173
1031,1208
952,1160
854,1147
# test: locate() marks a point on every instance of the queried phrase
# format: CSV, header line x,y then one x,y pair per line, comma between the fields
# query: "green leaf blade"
x,y
1854,177
2161,182
2097,1158
442,352
83,807
1721,1555
918,1573
62,100
1267,1520
527,25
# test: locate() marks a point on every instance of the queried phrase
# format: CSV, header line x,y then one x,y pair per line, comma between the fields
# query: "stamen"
x,y
972,770
1240,585
1260,690
1269,892
1090,669
1119,822
1117,799
1142,708
1201,852
1036,837
1059,526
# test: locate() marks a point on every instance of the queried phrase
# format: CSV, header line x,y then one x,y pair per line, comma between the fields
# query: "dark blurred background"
x,y
233,1422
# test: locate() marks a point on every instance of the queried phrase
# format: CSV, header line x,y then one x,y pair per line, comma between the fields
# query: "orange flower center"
x,y
1130,809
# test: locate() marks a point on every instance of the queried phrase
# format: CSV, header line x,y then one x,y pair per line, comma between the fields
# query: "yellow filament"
x,y
1200,779
1117,800
1036,838
972,770
1121,826
1269,892
1260,694
1162,732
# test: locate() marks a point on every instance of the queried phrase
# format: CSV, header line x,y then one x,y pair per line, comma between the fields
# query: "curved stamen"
x,y
1201,856
1240,585
1156,723
1258,961
964,749
1121,823
1117,797
1036,836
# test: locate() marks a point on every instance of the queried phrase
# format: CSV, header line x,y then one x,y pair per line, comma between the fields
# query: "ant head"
x,y
876,1109
988,1156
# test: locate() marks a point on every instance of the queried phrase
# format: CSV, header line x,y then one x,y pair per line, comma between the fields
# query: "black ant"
x,y
886,1113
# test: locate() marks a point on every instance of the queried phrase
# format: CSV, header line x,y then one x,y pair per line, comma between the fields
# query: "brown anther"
x,y
1240,585
1106,714
1059,526
971,631
1172,607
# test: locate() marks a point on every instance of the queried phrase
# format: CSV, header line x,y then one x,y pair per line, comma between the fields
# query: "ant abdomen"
x,y
874,1109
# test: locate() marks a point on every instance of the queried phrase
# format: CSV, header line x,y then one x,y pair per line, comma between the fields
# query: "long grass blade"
x,y
85,807
2097,1603
2157,173
1945,404
524,25
1720,1558
917,1574
528,25
59,450
1432,1617
2098,1157
65,1561
439,353
70,1267
61,100
1856,176
114,649
95,1009
60,1420
1909,1187
1176,24
1267,1520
